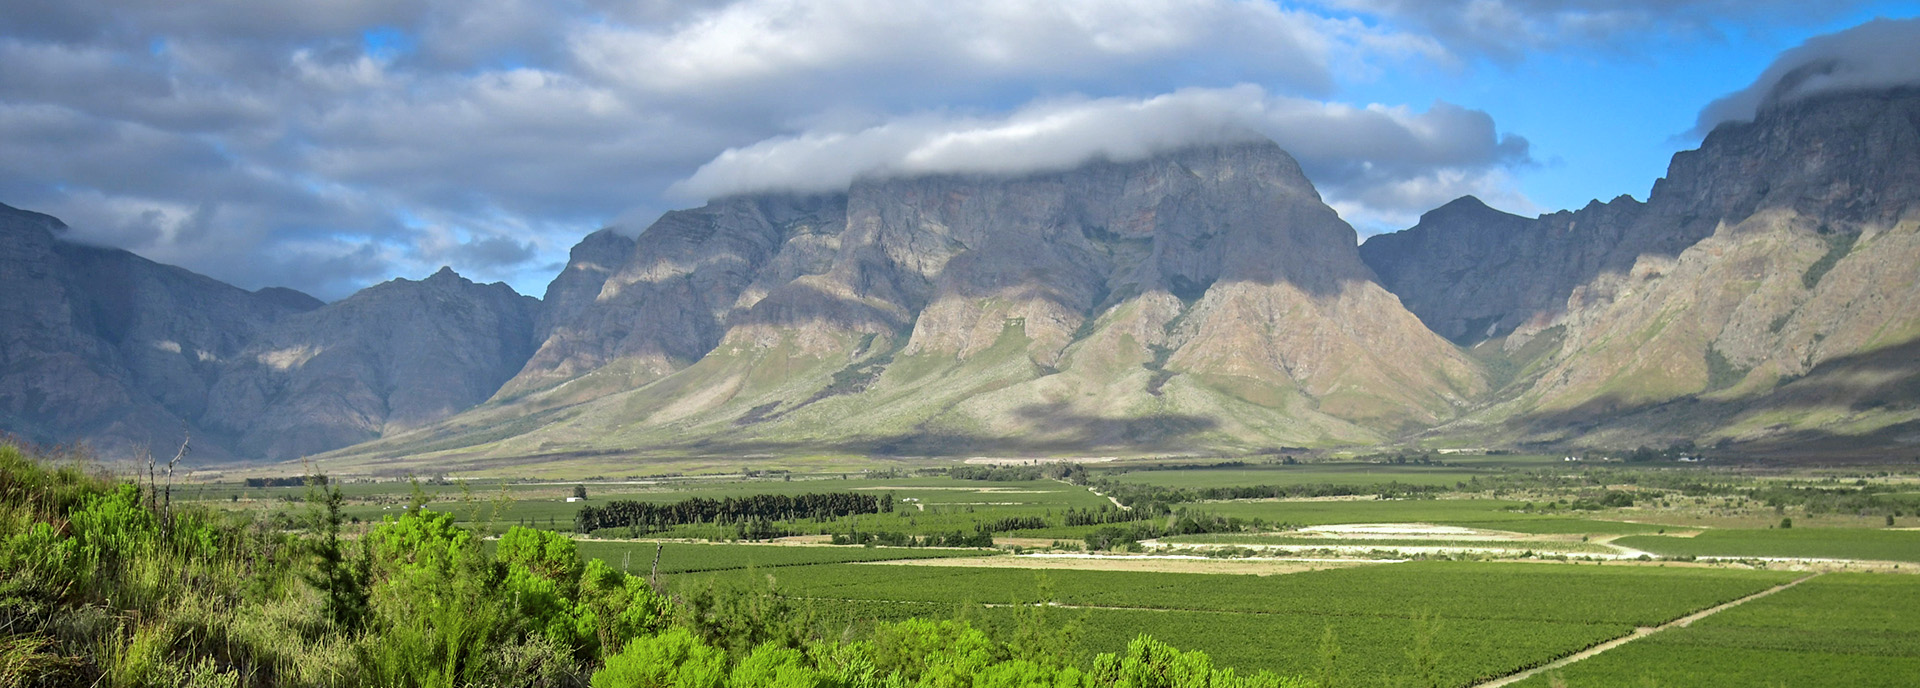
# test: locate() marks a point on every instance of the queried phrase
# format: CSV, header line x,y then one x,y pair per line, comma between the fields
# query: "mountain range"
x,y
1764,298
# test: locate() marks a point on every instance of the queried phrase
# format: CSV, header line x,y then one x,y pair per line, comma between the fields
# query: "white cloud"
x,y
1397,204
920,49
329,145
1878,54
1508,30
1381,161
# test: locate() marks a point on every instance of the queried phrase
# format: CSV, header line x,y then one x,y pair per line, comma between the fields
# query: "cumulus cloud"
x,y
1881,53
1507,30
325,146
837,47
1382,162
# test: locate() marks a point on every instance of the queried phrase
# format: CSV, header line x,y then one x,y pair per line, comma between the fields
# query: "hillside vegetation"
x,y
104,583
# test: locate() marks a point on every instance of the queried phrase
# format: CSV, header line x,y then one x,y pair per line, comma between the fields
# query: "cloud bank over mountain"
x,y
1385,158
1878,54
329,146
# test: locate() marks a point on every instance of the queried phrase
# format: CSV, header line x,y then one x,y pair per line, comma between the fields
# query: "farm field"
x,y
1356,473
1487,514
681,557
1481,619
1839,629
1282,539
924,505
1128,551
1822,543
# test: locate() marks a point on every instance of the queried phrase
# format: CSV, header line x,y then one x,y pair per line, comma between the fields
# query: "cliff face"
x,y
103,346
1474,273
1740,303
1206,296
669,300
391,357
126,355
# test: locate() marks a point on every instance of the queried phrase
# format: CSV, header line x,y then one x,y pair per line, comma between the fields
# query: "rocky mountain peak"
x,y
393,356
1852,157
954,312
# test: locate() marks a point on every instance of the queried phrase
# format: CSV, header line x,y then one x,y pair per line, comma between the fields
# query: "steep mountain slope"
x,y
1784,322
103,346
393,356
1202,298
1472,273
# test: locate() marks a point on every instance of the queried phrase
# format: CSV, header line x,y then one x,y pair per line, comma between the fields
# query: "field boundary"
x,y
1639,633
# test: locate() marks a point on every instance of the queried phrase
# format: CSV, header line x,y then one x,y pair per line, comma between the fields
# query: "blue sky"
x,y
329,146
1604,123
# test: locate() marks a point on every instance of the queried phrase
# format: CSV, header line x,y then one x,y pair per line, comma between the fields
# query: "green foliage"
x,y
615,607
1838,246
675,659
1722,373
771,666
342,578
113,525
1149,663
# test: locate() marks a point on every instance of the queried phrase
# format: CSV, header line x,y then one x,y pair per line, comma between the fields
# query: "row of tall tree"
x,y
765,507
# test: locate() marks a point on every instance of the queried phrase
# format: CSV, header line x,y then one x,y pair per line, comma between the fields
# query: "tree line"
x,y
296,481
1070,472
730,510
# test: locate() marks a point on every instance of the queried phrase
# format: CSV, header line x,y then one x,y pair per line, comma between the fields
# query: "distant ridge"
x,y
1764,298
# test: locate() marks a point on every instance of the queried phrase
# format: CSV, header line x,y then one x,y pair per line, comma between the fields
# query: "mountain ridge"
x,y
1203,300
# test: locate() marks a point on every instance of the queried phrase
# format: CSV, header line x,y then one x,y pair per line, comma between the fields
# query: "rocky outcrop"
x,y
103,346
393,356
1741,303
670,302
1207,296
106,348
1201,300
1474,273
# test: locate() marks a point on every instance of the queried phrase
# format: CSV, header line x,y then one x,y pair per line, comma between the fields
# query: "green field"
x,y
1330,474
1229,539
1488,514
1840,629
923,506
677,557
1483,619
1819,543
1354,473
